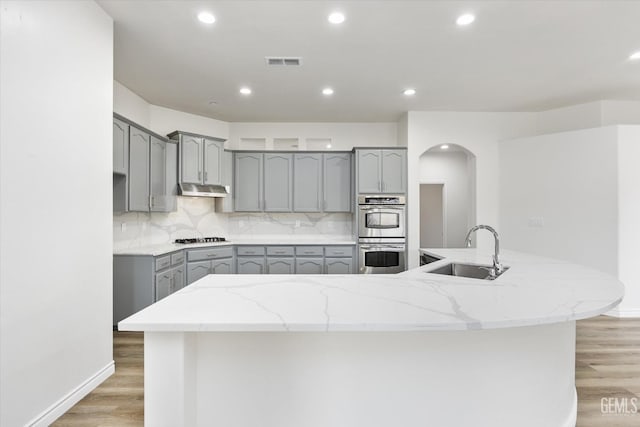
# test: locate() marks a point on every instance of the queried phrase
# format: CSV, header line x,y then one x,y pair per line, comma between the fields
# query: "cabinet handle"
x,y
211,255
205,175
199,175
338,252
150,201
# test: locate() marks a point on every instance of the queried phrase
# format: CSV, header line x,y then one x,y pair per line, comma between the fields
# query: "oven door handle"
x,y
380,208
382,248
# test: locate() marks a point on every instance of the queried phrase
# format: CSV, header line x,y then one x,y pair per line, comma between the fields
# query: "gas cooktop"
x,y
201,240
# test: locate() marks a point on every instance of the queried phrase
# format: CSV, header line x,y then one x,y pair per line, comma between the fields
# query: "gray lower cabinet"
x,y
337,182
309,265
248,195
205,261
251,265
138,170
280,265
140,280
338,265
278,182
307,183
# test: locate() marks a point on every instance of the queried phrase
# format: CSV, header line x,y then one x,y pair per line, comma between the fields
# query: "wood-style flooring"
x,y
607,366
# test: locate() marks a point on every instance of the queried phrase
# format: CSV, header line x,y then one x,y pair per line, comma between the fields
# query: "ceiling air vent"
x,y
290,61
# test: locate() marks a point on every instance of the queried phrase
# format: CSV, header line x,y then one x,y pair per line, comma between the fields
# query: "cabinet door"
x,y
394,171
213,162
253,265
158,174
197,270
278,173
178,278
248,182
369,163
222,266
337,182
163,285
225,204
120,147
307,183
309,265
280,266
338,265
138,170
191,159
171,197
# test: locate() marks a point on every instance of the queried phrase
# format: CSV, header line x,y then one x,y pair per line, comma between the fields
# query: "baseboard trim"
x,y
58,409
629,313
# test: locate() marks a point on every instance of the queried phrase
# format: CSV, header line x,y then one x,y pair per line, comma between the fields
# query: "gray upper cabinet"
x,y
369,174
337,182
394,171
171,181
248,182
138,170
200,158
191,159
158,175
120,147
278,182
212,174
307,183
382,171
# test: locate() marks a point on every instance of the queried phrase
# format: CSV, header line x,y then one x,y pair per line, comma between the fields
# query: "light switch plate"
x,y
536,222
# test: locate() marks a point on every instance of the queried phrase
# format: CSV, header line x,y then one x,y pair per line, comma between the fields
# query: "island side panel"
x,y
520,376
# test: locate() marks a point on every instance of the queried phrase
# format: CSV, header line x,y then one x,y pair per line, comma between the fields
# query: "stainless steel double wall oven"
x,y
381,234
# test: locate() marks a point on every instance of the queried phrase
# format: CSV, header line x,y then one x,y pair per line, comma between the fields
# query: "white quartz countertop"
x,y
535,290
161,249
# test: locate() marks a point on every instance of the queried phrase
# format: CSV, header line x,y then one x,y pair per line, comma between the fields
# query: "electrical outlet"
x,y
297,223
123,226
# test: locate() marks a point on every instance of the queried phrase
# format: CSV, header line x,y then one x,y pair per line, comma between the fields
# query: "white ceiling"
x,y
516,56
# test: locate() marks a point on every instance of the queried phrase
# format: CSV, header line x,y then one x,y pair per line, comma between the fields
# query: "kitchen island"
x,y
411,349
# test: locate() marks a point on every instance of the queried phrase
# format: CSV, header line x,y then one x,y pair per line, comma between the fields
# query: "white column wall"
x,y
568,180
56,101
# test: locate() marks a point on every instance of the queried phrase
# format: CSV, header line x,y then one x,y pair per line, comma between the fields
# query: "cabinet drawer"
x,y
309,250
210,253
177,258
163,262
251,250
280,251
338,251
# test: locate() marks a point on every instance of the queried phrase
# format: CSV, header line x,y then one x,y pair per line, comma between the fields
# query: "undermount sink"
x,y
471,271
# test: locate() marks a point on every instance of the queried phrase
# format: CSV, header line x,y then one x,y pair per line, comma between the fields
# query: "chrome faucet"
x,y
497,267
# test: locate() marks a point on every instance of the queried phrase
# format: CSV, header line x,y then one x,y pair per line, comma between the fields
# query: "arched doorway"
x,y
447,195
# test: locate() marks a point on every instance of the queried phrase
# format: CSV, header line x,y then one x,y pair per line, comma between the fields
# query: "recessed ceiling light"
x,y
245,91
213,102
465,19
444,147
635,56
327,91
328,145
336,18
409,92
206,17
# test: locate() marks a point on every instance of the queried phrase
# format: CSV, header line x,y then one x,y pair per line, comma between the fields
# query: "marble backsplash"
x,y
196,217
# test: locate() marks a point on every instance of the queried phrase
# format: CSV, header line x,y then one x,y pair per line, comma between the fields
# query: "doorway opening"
x,y
432,216
447,196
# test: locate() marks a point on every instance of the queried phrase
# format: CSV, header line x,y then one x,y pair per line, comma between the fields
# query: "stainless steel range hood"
x,y
199,190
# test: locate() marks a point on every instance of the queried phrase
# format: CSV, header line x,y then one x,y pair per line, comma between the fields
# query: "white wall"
x,y
166,120
344,136
629,218
480,134
588,115
451,169
131,105
558,196
56,100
